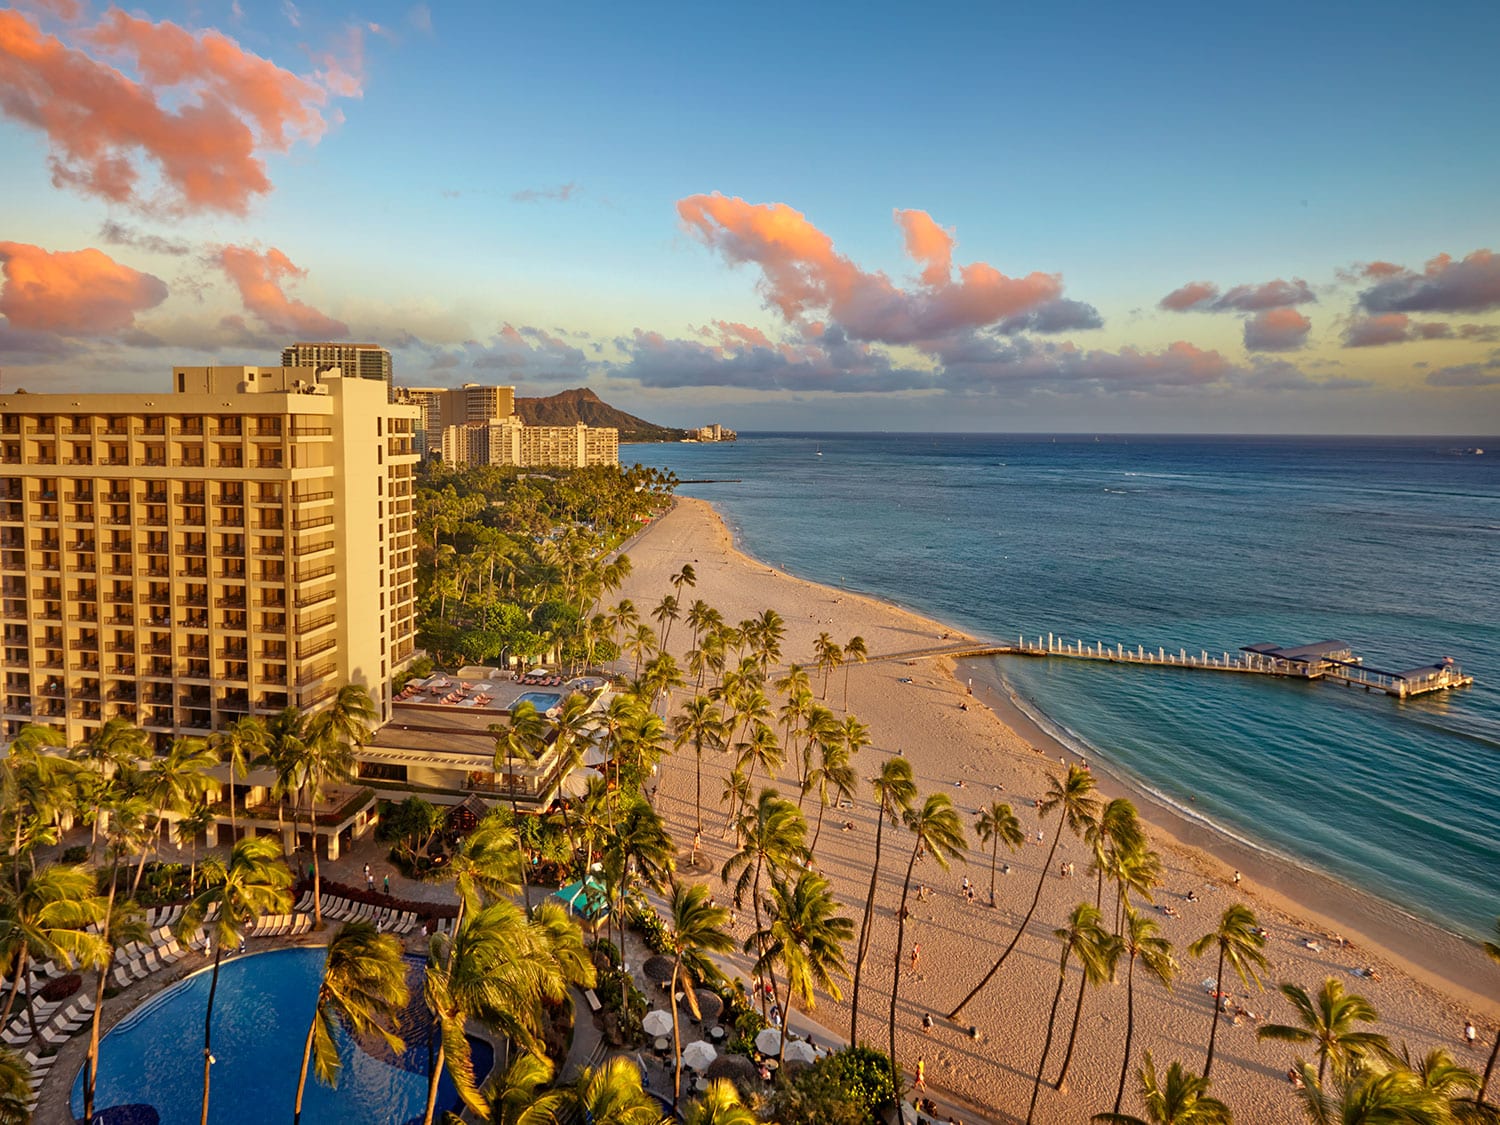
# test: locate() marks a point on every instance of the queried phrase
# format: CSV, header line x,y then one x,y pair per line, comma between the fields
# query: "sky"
x,y
1067,217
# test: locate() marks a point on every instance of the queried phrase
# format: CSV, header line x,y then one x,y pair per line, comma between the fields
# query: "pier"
x,y
1334,661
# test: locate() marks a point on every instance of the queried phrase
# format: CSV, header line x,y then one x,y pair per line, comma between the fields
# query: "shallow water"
x,y
1389,544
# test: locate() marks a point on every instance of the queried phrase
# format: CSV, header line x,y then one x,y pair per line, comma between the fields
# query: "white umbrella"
x,y
657,1022
594,756
800,1050
768,1042
698,1055
576,784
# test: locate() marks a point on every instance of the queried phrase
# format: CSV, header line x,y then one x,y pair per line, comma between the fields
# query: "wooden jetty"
x,y
1327,660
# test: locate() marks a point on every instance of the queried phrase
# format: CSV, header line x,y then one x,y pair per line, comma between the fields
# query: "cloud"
x,y
419,16
805,278
985,365
1204,296
1444,285
1398,328
341,68
560,194
292,13
258,277
73,292
1467,375
200,116
121,235
1276,330
1061,315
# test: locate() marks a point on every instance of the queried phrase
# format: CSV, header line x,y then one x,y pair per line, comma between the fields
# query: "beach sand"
x,y
1428,982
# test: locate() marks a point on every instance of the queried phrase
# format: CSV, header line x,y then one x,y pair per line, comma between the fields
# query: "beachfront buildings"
x,y
476,424
237,543
361,361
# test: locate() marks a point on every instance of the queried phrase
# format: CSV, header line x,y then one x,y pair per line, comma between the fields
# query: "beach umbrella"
x,y
799,1050
737,1068
658,968
594,756
698,1055
710,1006
768,1042
576,784
657,1022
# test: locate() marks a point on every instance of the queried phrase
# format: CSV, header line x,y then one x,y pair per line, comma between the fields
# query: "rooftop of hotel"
x,y
492,691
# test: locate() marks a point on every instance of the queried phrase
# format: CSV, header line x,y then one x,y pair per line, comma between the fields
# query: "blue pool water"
x,y
1208,543
543,701
261,1014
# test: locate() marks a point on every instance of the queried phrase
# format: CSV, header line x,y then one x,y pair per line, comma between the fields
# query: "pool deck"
x,y
496,692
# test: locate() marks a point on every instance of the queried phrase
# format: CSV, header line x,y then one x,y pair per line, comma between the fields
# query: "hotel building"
x,y
238,544
361,361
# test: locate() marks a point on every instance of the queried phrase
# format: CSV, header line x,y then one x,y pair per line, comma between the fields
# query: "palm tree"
x,y
501,969
1328,1023
486,867
719,1105
176,782
1098,970
666,612
894,792
192,824
239,746
47,919
1439,1074
700,722
1239,940
254,882
829,657
684,577
938,831
1117,829
1372,1096
660,676
522,738
1181,1100
762,749
610,1094
642,641
34,786
998,825
1492,951
855,652
363,987
1141,942
638,849
834,778
806,937
696,930
1073,798
520,1097
118,745
15,1089
772,833
1083,936
622,620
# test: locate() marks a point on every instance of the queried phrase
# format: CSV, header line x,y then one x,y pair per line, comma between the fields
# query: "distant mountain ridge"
x,y
567,408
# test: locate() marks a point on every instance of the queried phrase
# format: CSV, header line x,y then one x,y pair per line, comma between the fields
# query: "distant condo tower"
x,y
476,424
363,361
239,543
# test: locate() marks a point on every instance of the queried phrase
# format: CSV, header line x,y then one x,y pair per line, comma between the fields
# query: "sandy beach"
x,y
1426,983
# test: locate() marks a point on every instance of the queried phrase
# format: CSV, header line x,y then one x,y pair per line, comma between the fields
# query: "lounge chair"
x,y
304,904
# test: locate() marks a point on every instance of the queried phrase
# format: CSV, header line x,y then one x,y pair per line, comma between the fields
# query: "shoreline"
x,y
1421,947
914,704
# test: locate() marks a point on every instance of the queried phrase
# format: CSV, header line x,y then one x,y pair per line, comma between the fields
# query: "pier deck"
x,y
1326,660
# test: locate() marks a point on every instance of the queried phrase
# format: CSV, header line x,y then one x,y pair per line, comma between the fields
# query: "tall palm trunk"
x,y
1218,1002
302,1076
1021,929
676,1038
15,986
1062,978
1489,1068
760,948
822,807
994,863
1062,1076
1129,1030
432,1082
91,1062
208,1018
900,941
317,873
698,792
515,820
864,932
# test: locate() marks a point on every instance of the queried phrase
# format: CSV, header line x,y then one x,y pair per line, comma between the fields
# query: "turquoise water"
x,y
262,1011
543,701
1390,544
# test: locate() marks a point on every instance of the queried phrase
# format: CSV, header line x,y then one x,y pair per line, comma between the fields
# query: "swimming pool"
x,y
543,701
261,1013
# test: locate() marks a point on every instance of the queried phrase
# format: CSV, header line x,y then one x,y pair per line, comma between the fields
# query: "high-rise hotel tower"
x,y
242,542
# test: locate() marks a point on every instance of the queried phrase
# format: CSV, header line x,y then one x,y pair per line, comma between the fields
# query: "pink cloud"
x,y
1276,330
73,292
1444,285
1189,296
259,279
1204,296
804,277
201,114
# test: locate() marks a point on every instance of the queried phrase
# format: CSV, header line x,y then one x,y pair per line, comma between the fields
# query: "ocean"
x,y
1390,544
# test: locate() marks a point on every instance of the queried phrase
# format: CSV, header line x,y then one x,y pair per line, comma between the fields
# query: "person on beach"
x,y
1236,878
1469,1032
387,886
921,1082
927,1023
916,955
